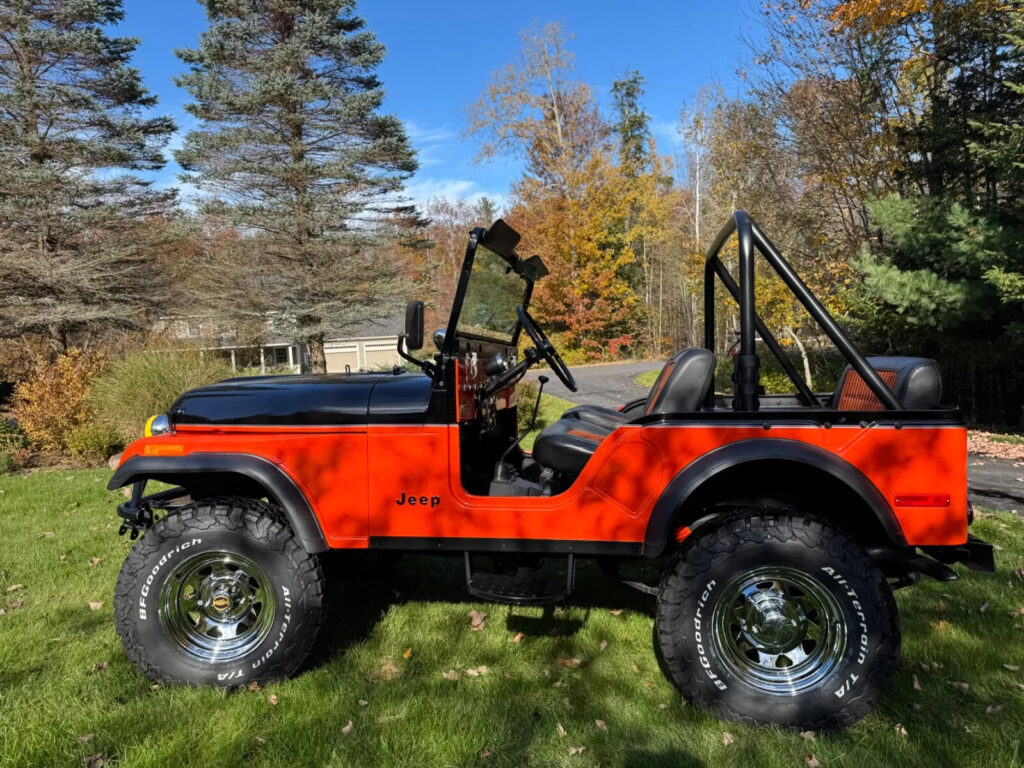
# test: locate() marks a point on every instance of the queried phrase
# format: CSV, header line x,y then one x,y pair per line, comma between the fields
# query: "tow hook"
x,y
136,513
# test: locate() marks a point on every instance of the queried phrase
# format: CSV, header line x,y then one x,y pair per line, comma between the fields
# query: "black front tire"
x,y
219,592
777,620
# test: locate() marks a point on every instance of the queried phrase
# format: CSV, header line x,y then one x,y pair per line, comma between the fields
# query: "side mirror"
x,y
414,325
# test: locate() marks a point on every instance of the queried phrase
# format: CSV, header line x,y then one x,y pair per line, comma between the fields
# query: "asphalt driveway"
x,y
610,385
994,483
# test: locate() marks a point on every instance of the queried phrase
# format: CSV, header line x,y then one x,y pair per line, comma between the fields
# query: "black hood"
x,y
311,400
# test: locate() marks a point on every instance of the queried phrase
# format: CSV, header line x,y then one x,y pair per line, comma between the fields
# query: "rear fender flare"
x,y
277,483
695,474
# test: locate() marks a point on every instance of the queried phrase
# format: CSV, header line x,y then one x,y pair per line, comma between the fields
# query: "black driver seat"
x,y
682,386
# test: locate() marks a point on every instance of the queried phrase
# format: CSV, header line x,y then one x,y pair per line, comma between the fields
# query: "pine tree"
x,y
292,149
633,124
74,256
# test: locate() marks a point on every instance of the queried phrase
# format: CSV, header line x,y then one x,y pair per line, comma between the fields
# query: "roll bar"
x,y
747,376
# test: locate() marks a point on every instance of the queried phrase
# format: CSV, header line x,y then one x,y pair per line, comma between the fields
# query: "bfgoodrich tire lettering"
x,y
777,619
236,563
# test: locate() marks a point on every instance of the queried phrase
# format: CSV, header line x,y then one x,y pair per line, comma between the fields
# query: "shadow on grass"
x,y
361,588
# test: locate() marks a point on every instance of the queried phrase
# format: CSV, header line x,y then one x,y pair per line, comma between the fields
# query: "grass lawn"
x,y
1010,439
67,691
647,378
551,410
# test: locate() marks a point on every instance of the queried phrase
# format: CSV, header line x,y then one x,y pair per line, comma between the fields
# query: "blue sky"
x,y
441,54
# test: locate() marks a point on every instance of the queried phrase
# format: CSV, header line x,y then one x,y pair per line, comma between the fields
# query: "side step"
x,y
517,590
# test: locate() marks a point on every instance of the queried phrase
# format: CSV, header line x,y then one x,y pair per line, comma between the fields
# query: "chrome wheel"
x,y
779,630
217,606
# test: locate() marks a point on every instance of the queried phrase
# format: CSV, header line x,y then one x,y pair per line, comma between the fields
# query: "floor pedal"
x,y
518,590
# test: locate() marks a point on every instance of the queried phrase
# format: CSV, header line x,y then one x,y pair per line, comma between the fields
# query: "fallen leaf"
x,y
154,687
15,587
601,724
961,686
100,667
347,729
387,671
46,535
407,653
812,762
1011,667
85,738
363,702
93,606
485,753
576,751
558,684
272,698
993,709
941,608
477,671
615,611
63,558
561,730
571,663
17,605
941,626
900,730
604,644
94,561
983,608
477,620
727,738
451,674
663,706
808,736
255,686
94,761
917,684
516,638
260,740
917,707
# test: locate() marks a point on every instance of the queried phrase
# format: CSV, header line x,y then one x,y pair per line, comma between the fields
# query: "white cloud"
x,y
420,134
422,190
667,134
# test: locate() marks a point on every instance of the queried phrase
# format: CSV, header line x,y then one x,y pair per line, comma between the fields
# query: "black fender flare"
x,y
695,474
278,484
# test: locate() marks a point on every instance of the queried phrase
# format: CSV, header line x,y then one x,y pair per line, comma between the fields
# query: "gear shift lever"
x,y
501,469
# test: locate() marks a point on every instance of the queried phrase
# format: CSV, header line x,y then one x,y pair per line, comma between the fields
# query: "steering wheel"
x,y
546,349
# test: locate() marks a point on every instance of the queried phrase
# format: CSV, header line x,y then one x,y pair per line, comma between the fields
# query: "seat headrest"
x,y
683,383
915,381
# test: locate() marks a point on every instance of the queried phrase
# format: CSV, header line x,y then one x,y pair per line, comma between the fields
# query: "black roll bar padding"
x,y
747,374
805,393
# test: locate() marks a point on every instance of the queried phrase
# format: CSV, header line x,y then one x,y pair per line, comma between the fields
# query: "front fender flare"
x,y
278,484
695,474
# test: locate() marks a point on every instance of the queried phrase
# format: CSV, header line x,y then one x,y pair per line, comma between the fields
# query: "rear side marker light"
x,y
922,500
682,533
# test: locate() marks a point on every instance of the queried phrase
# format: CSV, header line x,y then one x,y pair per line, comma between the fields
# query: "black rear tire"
x,y
219,593
777,620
